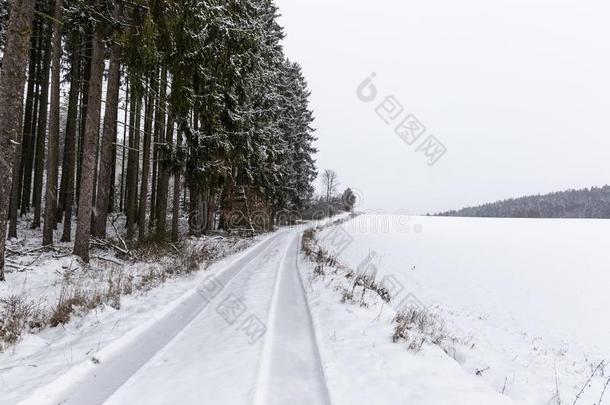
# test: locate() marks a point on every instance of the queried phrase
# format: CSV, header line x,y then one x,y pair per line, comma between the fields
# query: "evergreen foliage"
x,y
205,95
585,203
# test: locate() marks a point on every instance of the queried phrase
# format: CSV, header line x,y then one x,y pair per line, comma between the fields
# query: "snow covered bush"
x,y
316,254
363,282
417,326
17,316
71,301
76,298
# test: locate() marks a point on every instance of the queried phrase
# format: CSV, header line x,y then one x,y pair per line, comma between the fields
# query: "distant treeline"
x,y
585,203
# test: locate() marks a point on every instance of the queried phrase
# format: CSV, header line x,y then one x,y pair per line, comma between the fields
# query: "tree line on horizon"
x,y
583,203
143,106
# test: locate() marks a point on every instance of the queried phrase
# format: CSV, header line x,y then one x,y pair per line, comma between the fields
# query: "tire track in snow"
x,y
291,370
96,383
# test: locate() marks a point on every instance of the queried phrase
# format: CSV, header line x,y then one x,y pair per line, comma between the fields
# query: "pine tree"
x,y
43,115
133,159
67,192
105,178
29,141
24,140
53,143
233,126
12,82
83,228
148,124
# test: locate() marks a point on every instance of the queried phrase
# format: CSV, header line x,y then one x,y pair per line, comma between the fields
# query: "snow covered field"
x,y
530,296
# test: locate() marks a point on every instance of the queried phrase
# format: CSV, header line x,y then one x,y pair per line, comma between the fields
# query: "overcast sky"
x,y
517,91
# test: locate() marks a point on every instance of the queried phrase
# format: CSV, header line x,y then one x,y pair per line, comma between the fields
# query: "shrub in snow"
x,y
17,316
417,326
363,279
63,311
82,294
361,284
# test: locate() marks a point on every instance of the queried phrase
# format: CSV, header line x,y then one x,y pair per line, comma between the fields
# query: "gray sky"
x,y
517,91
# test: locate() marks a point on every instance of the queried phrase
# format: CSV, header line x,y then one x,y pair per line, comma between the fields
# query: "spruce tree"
x,y
12,82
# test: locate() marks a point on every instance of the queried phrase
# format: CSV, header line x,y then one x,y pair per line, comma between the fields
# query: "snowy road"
x,y
244,337
292,372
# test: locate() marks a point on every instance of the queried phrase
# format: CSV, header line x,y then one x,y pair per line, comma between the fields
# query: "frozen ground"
x,y
240,333
531,296
100,350
525,301
41,277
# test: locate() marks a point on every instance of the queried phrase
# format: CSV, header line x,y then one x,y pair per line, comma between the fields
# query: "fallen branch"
x,y
108,245
18,267
175,248
34,261
11,251
44,247
108,259
116,231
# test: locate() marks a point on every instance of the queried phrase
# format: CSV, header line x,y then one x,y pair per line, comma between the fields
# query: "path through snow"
x,y
245,336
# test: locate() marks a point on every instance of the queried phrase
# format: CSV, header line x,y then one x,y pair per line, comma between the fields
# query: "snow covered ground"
x,y
237,333
523,304
531,298
99,350
43,276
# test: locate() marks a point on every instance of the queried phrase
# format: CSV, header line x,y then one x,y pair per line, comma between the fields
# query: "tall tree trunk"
x,y
26,134
125,118
53,144
68,168
12,83
211,208
160,131
176,202
113,171
148,121
72,116
155,157
132,166
164,181
195,220
83,227
27,159
88,49
41,136
108,137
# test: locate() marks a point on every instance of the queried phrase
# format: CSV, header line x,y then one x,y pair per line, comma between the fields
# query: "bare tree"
x,y
330,183
12,83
